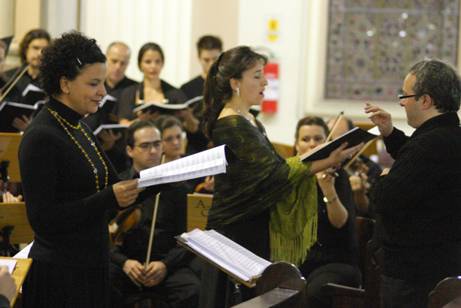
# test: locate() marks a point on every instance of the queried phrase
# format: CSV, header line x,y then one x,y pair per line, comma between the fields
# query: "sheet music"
x,y
374,130
226,253
31,87
105,99
24,253
209,162
11,264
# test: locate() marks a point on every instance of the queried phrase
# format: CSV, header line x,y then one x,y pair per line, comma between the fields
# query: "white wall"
x,y
253,28
301,50
139,21
60,16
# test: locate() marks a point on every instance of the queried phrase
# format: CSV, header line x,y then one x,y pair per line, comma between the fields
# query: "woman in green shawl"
x,y
263,202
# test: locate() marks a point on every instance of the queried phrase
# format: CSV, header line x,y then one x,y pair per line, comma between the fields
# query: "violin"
x,y
122,223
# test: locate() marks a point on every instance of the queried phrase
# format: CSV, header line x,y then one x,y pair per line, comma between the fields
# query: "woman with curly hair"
x,y
69,185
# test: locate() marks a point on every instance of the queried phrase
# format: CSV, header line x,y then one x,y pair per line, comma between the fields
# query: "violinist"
x,y
363,172
169,273
30,52
333,258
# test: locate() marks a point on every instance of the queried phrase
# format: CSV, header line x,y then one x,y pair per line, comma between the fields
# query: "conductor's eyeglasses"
x,y
401,96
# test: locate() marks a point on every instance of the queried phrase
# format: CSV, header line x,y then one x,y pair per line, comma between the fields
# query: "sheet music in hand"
x,y
235,260
353,137
209,162
9,263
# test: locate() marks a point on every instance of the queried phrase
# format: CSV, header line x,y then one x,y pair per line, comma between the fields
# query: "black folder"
x,y
353,137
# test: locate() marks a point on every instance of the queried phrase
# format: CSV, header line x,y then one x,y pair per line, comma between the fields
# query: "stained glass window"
x,y
373,43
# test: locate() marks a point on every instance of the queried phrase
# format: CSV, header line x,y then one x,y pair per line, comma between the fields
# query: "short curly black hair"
x,y
65,57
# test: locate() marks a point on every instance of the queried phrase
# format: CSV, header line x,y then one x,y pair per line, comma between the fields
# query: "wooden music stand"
x,y
198,206
19,274
14,214
280,285
9,147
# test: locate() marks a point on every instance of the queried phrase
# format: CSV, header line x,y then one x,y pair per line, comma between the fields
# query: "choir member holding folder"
x,y
30,51
69,185
263,202
152,89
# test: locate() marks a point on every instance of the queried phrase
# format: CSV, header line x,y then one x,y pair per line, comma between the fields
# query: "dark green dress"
x,y
246,204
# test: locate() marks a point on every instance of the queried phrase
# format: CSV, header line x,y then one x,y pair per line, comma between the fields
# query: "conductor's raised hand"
x,y
380,118
126,192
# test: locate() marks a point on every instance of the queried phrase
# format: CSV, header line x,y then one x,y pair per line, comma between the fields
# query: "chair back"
x,y
15,215
446,294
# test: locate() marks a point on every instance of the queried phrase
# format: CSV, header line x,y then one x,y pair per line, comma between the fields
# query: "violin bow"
x,y
335,125
11,85
152,227
349,163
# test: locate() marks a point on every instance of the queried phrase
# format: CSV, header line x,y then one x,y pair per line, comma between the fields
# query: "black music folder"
x,y
165,107
11,110
353,137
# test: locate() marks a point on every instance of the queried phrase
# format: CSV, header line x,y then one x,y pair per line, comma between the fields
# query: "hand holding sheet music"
x,y
209,162
353,137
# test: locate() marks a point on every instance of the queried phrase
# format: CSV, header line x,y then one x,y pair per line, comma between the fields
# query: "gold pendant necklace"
x,y
64,123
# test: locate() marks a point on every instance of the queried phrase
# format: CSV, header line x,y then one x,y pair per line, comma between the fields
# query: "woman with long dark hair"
x,y
263,202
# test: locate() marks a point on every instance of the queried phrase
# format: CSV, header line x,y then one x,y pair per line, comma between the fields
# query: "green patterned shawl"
x,y
257,179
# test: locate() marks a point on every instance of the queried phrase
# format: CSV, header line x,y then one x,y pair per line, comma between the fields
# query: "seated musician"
x,y
334,256
169,272
363,172
30,51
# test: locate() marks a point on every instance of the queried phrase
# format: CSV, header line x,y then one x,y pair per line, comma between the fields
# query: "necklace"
x,y
65,124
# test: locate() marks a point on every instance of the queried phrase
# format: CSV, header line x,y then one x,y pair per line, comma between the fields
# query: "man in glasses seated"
x,y
168,273
418,202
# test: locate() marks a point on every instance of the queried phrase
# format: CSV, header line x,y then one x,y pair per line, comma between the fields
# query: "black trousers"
x,y
399,293
181,287
339,273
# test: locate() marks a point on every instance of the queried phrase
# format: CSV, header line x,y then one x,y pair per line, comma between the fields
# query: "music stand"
x,y
9,147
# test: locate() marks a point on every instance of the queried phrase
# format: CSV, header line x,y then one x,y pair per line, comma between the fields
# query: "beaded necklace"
x,y
65,124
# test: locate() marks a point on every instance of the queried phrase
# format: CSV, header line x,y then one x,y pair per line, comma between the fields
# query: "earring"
x,y
237,91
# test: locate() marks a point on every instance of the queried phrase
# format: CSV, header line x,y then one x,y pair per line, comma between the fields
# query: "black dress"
x,y
68,193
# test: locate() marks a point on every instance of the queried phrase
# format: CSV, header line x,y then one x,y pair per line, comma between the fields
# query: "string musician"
x,y
68,183
30,52
263,202
334,257
172,271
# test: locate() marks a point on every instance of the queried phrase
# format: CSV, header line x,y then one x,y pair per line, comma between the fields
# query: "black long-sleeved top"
x,y
335,245
197,141
65,210
418,202
127,100
171,221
